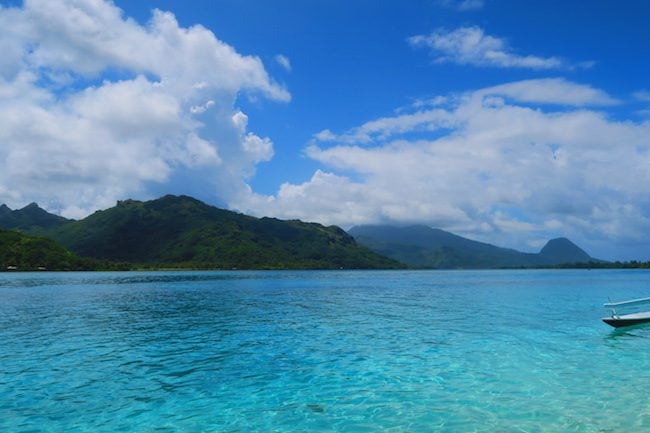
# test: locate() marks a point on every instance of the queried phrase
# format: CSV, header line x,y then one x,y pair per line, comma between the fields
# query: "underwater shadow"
x,y
641,330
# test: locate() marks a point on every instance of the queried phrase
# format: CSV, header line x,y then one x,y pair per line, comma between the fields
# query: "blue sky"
x,y
351,62
504,121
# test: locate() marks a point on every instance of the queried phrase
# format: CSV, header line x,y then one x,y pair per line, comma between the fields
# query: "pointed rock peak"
x,y
36,215
564,250
33,208
4,208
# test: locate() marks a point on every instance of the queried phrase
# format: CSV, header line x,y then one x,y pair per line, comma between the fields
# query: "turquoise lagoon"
x,y
348,351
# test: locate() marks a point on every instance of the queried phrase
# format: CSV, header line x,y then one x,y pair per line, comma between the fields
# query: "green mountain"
x,y
184,232
22,252
31,218
426,247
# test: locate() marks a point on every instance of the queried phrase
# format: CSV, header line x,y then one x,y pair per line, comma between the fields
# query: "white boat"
x,y
617,320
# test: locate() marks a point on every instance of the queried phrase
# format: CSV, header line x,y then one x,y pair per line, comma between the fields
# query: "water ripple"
x,y
320,351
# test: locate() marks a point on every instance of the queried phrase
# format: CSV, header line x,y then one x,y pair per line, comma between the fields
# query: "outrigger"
x,y
617,320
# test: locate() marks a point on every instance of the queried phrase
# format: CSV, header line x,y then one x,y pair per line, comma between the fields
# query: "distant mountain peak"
x,y
564,251
561,241
28,218
423,246
35,209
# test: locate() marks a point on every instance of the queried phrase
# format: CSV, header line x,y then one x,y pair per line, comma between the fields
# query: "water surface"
x,y
396,351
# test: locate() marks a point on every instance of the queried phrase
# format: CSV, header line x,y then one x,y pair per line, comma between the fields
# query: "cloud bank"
x,y
95,107
497,164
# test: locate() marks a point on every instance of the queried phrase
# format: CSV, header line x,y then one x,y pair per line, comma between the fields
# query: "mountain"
x,y
22,252
31,218
181,231
562,250
425,247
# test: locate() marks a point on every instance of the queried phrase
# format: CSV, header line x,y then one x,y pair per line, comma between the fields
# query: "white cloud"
x,y
471,46
325,135
200,109
507,224
94,109
462,5
551,91
422,120
431,102
500,171
283,61
642,95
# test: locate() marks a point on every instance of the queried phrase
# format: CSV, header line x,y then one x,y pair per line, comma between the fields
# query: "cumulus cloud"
x,y
95,107
472,46
431,116
491,167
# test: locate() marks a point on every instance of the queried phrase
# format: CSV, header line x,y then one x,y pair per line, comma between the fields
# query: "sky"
x,y
507,122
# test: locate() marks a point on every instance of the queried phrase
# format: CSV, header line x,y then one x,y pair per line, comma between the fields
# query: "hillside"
x,y
425,247
562,250
31,219
24,253
184,232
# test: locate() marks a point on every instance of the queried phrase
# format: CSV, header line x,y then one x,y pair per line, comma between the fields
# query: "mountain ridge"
x,y
31,218
425,247
184,231
181,231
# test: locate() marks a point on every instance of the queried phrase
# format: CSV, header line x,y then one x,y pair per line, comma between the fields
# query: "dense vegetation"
x,y
631,264
425,247
182,232
28,253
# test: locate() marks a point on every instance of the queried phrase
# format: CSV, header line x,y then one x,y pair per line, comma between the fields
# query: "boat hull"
x,y
618,322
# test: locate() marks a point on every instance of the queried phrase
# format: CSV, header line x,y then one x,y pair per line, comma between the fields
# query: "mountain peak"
x,y
33,206
422,246
28,218
128,202
170,198
562,250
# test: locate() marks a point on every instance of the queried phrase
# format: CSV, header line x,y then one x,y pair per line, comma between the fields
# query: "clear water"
x,y
489,351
